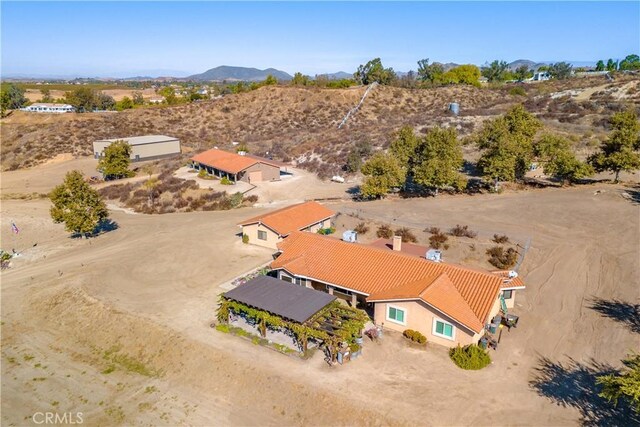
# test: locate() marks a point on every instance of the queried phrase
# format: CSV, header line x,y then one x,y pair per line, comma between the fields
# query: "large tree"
x,y
77,205
437,159
558,159
561,70
624,385
612,65
507,144
619,152
631,62
12,97
496,71
404,145
463,74
600,65
382,173
84,99
431,73
522,73
374,71
115,161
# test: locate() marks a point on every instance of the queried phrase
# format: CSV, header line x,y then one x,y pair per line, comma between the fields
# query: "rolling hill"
x,y
300,123
226,72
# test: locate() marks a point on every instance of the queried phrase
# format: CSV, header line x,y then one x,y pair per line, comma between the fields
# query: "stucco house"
x,y
236,167
450,304
271,228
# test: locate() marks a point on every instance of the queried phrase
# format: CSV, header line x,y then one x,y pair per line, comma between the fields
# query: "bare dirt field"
x,y
117,327
34,95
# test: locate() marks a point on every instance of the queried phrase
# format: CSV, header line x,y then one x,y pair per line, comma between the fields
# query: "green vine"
x,y
347,323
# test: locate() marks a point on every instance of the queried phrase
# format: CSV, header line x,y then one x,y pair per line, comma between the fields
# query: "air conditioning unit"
x,y
350,236
434,255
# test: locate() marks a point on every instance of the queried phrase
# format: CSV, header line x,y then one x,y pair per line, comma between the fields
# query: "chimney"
x,y
397,243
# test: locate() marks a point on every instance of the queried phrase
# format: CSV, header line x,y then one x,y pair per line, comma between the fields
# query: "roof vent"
x,y
242,153
434,255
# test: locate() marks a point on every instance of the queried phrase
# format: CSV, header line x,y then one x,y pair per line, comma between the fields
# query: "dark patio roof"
x,y
281,298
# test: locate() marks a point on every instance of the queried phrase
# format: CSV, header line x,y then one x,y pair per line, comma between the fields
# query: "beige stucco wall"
x,y
317,226
145,151
252,231
269,173
420,317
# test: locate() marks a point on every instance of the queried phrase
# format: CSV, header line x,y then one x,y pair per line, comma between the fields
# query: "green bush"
x,y
226,181
223,328
517,91
415,336
325,231
469,357
245,238
202,173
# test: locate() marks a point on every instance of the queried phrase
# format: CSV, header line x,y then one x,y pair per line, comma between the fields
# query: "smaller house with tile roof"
x,y
449,304
236,167
271,228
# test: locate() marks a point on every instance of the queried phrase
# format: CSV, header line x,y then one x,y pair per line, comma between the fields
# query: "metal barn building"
x,y
146,147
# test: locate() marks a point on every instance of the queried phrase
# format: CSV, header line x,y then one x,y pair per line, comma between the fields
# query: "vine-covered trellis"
x,y
333,325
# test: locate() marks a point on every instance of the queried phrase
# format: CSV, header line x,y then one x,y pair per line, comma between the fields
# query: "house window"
x,y
507,294
443,329
300,282
395,314
262,235
285,278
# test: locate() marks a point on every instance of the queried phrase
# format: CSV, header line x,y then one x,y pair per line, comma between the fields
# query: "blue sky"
x,y
124,38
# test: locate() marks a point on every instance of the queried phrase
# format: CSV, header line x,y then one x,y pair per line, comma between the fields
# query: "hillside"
x,y
298,123
225,72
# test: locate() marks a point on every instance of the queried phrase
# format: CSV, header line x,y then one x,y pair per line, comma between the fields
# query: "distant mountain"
x,y
531,65
226,72
339,75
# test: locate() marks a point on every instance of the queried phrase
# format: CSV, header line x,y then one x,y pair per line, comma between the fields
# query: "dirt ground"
x,y
118,326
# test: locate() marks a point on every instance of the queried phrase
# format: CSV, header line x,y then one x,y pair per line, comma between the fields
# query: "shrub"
x,y
502,259
325,231
517,91
406,234
415,336
245,239
202,173
361,228
500,239
432,230
462,231
469,357
226,181
438,241
384,232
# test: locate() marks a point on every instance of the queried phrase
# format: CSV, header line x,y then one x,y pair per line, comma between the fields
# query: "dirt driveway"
x,y
118,326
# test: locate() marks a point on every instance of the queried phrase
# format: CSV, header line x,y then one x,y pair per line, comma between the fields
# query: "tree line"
x,y
508,144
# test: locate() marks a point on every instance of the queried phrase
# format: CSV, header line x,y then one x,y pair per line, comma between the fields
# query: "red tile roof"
x,y
292,218
507,282
408,248
228,162
466,295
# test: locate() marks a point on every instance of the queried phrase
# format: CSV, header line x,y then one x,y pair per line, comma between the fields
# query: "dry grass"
x,y
297,123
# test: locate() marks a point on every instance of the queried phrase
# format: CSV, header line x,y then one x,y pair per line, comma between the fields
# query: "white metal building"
x,y
146,147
